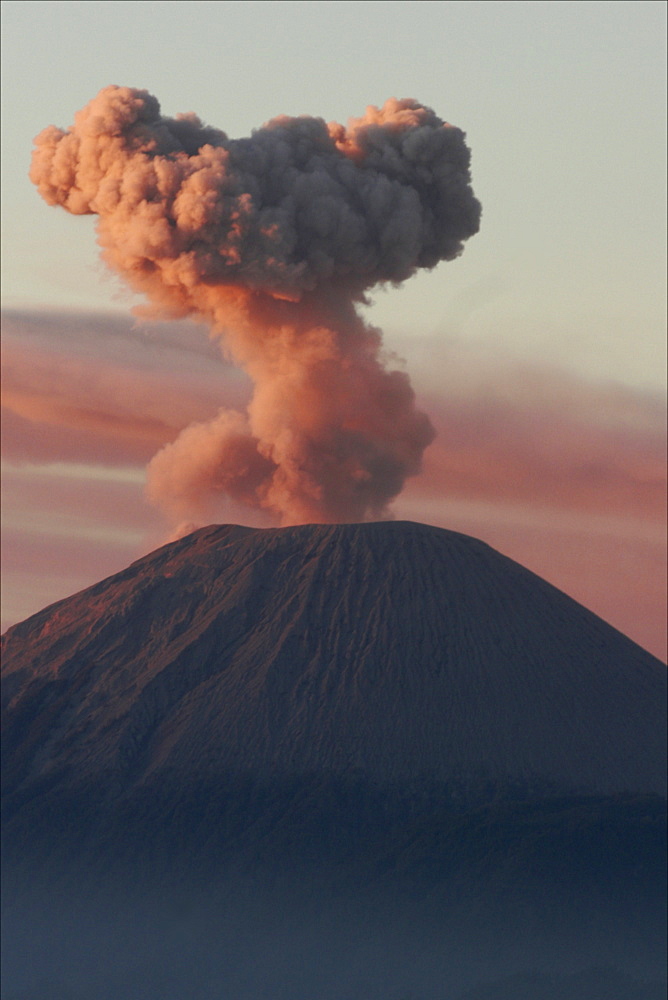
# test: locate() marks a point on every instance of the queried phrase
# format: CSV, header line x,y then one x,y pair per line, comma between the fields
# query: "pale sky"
x,y
564,109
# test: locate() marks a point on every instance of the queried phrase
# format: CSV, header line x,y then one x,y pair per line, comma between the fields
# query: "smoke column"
x,y
273,241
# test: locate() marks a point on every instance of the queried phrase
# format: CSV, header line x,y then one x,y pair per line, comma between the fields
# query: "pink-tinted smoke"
x,y
273,241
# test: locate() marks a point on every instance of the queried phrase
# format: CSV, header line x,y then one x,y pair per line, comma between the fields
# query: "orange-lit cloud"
x,y
273,241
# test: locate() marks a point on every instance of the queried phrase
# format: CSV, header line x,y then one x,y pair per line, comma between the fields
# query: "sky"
x,y
539,354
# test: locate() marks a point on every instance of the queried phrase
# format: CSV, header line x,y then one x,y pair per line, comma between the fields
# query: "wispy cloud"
x,y
99,389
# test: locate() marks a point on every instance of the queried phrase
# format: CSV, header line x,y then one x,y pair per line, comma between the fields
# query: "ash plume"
x,y
273,240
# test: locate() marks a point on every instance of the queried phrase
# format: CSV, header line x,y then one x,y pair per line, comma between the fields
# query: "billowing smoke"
x,y
273,240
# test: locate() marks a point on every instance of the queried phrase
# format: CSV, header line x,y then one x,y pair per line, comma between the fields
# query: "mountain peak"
x,y
394,650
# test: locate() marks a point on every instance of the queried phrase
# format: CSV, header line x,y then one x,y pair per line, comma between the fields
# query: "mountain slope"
x,y
366,761
392,650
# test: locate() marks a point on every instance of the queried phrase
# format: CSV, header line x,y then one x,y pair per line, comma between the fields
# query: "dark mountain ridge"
x,y
392,650
383,730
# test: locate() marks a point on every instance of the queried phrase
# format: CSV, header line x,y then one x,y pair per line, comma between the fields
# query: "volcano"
x,y
384,726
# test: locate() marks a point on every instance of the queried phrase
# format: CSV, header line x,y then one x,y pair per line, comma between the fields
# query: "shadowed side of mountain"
x,y
392,650
372,761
